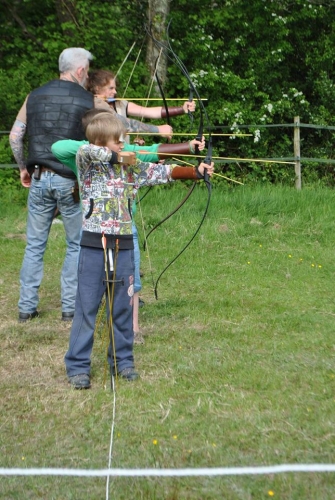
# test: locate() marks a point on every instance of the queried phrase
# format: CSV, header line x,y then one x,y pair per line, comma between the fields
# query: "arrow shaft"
x,y
181,133
224,158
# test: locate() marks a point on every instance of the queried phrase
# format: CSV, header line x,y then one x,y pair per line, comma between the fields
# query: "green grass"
x,y
237,368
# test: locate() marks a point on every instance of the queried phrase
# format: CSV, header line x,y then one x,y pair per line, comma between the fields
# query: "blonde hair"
x,y
103,128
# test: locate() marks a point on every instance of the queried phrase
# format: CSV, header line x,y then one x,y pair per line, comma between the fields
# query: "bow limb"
x,y
161,92
190,191
188,194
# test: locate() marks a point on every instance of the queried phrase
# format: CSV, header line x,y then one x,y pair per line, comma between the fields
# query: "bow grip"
x,y
207,160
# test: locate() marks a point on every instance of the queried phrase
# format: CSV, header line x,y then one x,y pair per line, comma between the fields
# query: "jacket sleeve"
x,y
65,151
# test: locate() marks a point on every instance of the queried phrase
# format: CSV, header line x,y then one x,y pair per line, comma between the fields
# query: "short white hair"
x,y
73,58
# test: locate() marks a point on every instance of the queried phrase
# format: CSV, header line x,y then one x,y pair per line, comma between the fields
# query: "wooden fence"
x,y
297,125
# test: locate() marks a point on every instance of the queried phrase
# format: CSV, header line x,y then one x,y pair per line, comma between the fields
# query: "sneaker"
x,y
67,316
129,374
138,338
81,381
23,317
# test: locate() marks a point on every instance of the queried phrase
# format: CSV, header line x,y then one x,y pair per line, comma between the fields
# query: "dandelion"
x,y
214,445
313,265
155,442
289,256
175,437
271,493
319,266
260,246
23,458
248,261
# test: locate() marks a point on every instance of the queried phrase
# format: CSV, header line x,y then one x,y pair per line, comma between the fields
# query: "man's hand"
x,y
165,131
25,178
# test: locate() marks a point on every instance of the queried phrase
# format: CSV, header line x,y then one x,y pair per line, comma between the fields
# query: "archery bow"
x,y
176,60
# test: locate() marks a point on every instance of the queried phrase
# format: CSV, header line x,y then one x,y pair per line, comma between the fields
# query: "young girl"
x,y
108,181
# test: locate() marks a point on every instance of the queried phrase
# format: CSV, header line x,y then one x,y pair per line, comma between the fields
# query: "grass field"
x,y
237,368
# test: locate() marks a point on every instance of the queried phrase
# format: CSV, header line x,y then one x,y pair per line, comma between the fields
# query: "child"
x,y
108,180
154,154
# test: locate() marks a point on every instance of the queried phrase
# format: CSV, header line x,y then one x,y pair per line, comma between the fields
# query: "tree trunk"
x,y
66,12
158,11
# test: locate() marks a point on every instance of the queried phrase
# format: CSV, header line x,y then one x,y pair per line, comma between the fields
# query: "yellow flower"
x,y
154,441
313,265
175,437
248,261
289,256
271,493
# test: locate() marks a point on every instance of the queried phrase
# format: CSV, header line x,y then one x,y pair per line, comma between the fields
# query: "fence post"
x,y
297,166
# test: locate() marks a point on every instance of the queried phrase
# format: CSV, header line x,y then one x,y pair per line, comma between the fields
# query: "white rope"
x,y
124,60
111,437
215,471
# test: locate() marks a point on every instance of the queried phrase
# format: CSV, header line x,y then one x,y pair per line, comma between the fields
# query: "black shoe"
x,y
67,316
81,381
128,374
141,303
23,317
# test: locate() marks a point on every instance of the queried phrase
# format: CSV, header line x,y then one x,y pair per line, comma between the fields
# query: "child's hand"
x,y
201,144
209,168
127,158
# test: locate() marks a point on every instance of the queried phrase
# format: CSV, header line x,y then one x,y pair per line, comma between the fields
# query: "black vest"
x,y
54,112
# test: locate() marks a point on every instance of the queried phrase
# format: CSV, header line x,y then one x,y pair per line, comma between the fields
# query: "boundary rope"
x,y
215,471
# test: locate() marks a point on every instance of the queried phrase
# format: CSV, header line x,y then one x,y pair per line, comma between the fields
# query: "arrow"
x,y
224,158
192,135
112,99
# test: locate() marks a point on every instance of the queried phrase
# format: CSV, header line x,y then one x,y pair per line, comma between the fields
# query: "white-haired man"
x,y
49,113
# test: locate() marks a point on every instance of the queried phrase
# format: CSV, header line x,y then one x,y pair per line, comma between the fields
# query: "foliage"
x,y
258,63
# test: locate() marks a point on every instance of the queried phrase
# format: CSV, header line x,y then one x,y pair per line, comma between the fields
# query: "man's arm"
x,y
16,143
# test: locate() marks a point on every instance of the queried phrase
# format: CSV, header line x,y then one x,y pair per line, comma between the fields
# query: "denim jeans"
x,y
137,257
91,288
45,195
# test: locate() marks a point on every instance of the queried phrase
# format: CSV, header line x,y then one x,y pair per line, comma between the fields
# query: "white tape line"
x,y
215,471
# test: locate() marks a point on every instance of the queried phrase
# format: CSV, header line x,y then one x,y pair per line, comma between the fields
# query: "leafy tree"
x,y
259,63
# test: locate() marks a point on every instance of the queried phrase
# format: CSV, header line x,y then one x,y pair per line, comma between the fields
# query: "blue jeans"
x,y
45,195
91,288
137,257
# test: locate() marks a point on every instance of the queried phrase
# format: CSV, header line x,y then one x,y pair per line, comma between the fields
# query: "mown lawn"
x,y
237,368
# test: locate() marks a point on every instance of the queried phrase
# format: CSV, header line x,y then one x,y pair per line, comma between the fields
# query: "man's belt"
x,y
38,169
